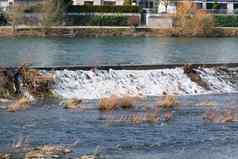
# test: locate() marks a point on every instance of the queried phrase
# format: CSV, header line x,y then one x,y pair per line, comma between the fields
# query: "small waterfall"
x,y
95,84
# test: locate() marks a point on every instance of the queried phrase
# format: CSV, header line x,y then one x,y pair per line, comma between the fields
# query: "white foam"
x,y
97,84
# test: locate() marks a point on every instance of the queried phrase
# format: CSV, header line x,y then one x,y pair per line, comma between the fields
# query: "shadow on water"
x,y
186,136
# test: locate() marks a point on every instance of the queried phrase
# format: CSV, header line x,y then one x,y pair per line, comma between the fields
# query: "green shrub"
x,y
226,21
104,9
98,20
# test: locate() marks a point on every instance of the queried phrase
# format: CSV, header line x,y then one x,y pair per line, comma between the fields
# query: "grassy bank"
x,y
102,31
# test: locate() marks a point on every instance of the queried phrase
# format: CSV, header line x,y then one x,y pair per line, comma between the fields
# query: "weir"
x,y
127,66
95,82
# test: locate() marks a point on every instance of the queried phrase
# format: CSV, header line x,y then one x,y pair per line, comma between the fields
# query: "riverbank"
x,y
103,31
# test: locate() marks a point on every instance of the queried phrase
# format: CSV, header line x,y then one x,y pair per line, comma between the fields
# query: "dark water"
x,y
91,51
186,136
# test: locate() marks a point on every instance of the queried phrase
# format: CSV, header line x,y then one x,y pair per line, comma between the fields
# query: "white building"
x,y
98,2
212,6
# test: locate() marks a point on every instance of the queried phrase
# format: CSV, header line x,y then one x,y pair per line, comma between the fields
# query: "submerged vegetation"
x,y
168,102
114,102
20,104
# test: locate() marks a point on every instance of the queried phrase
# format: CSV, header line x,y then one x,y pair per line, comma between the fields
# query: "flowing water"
x,y
87,130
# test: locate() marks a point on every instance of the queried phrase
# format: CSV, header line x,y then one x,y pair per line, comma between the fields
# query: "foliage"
x,y
3,19
97,20
226,20
16,15
127,2
104,9
53,11
192,21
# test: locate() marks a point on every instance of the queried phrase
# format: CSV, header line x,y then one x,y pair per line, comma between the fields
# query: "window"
x,y
88,3
109,3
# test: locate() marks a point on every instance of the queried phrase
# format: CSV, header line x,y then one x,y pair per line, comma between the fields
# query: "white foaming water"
x,y
96,84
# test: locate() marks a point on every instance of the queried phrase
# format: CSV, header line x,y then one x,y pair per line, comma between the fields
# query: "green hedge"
x,y
3,19
226,20
102,20
104,9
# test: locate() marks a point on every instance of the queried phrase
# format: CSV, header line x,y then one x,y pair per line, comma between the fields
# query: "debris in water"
x,y
88,157
47,151
207,103
4,156
221,117
36,82
168,116
72,103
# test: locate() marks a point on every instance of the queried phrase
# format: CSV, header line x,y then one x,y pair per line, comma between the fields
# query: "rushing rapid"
x,y
94,84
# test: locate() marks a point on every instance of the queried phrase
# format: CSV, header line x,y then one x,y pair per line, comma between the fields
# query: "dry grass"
x,y
47,151
20,104
168,102
72,103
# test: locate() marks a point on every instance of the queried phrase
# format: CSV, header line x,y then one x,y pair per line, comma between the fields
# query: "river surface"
x,y
92,51
186,136
89,131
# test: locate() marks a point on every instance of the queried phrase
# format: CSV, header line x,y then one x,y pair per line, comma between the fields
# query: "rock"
x,y
195,76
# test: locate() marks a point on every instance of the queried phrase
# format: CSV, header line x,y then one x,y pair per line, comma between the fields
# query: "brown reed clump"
x,y
126,102
20,104
168,102
108,103
47,151
72,103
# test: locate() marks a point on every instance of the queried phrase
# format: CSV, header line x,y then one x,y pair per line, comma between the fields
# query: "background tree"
x,y
127,2
193,21
16,15
53,12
